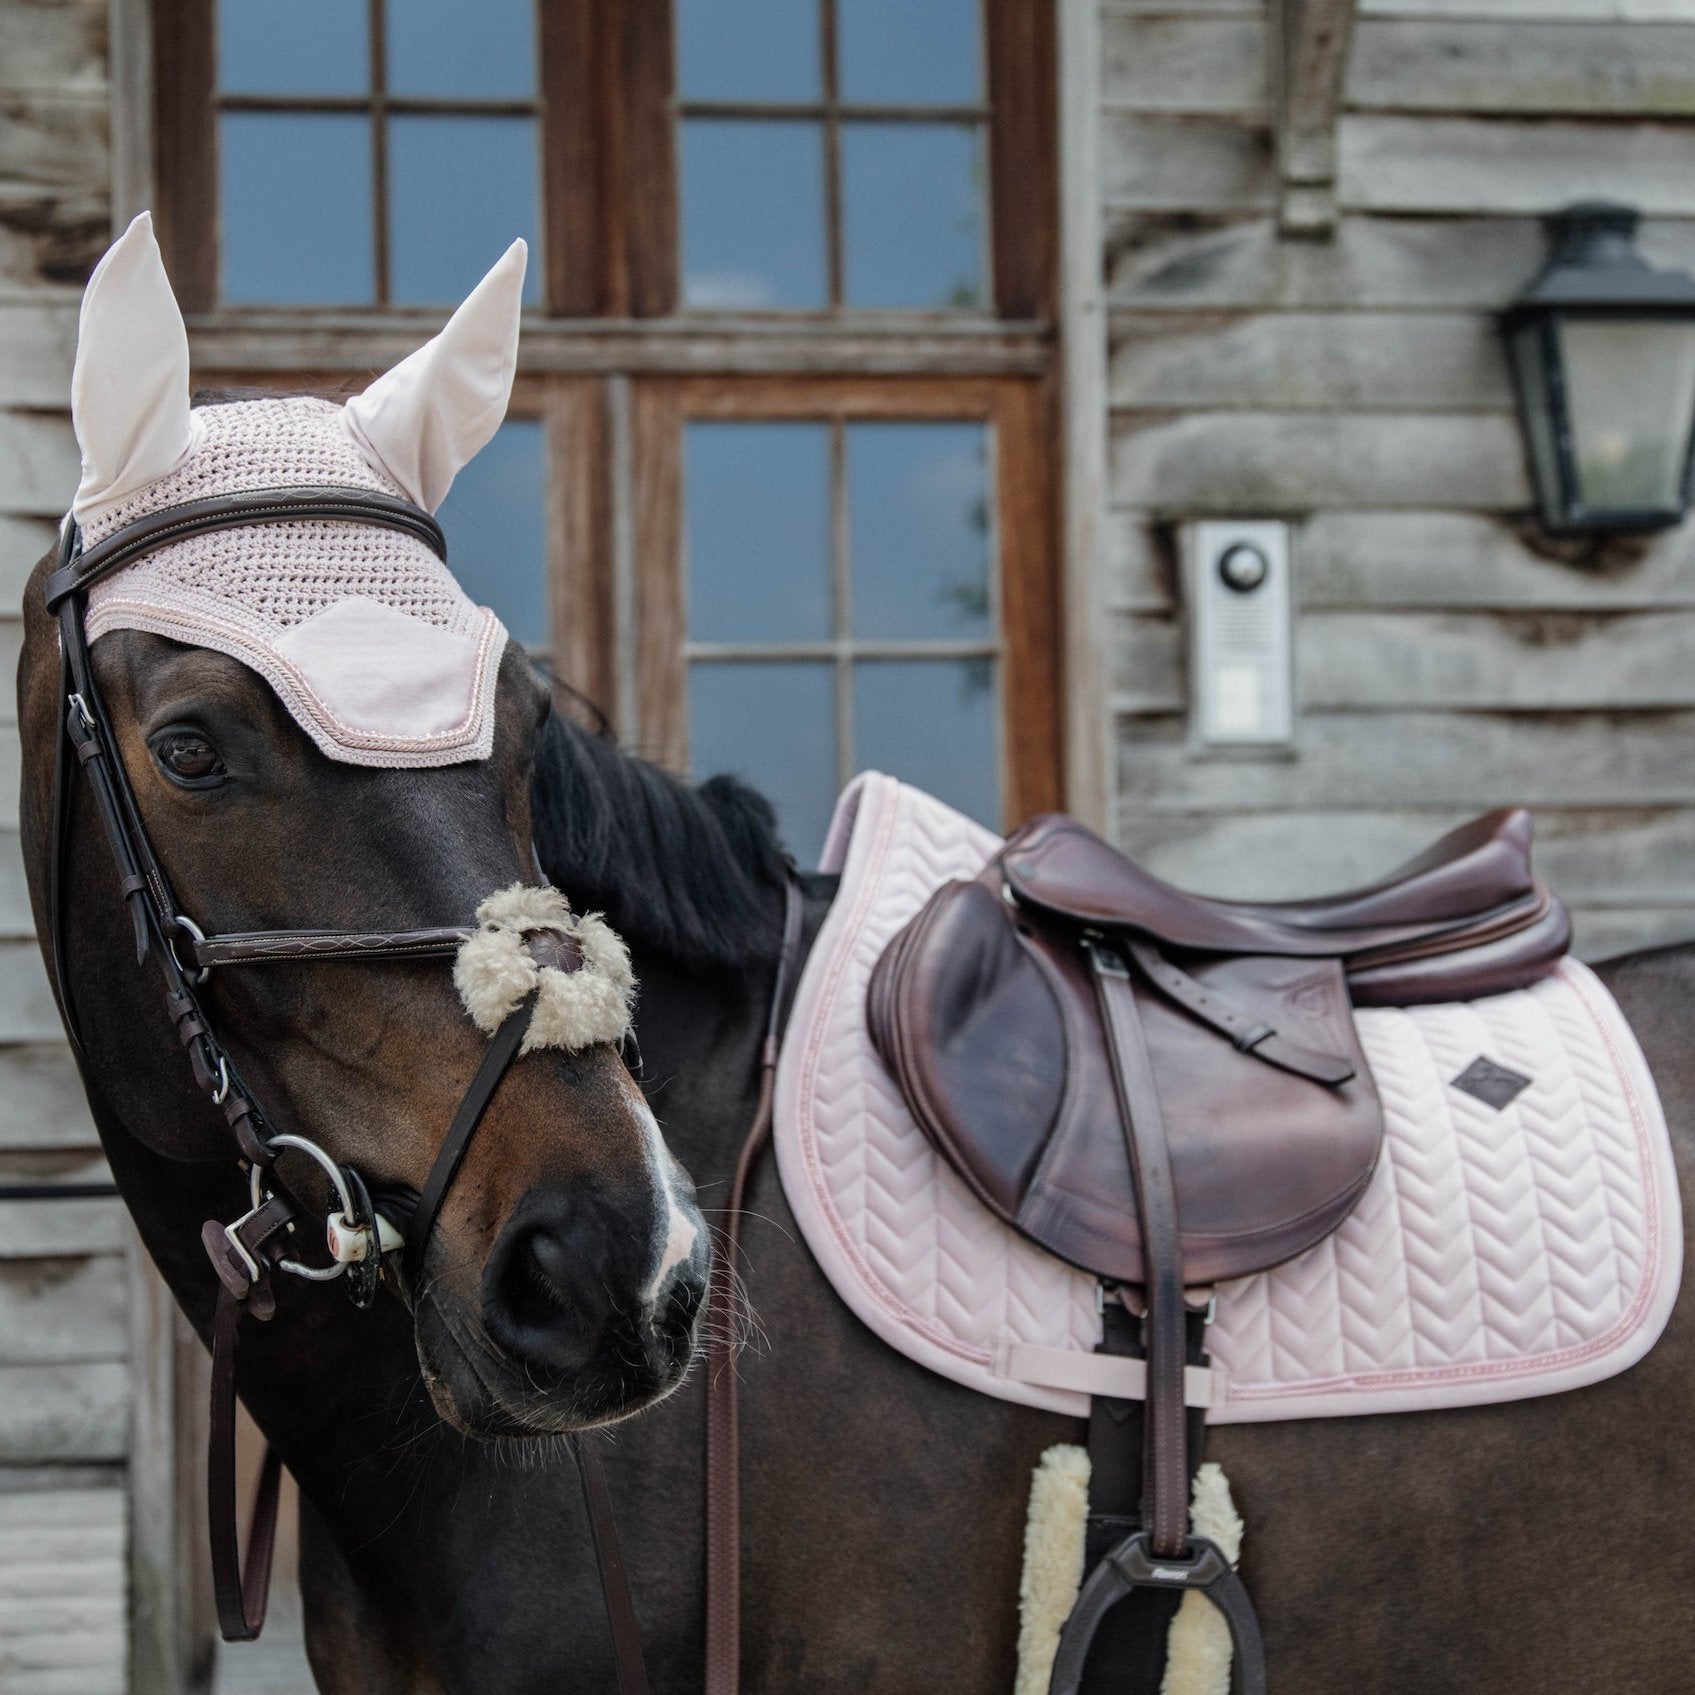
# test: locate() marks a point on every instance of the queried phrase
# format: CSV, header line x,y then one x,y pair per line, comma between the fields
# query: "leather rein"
x,y
248,1253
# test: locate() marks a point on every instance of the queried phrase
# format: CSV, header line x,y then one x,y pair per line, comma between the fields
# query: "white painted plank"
x,y
1483,66
1512,165
1376,361
27,1009
48,250
37,344
1266,463
16,919
1199,64
34,1229
11,645
1192,164
52,142
1459,559
1595,11
1178,8
1465,263
1518,660
39,463
1606,932
57,46
1591,857
1439,661
22,543
63,1311
41,1100
63,1412
1375,760
1436,561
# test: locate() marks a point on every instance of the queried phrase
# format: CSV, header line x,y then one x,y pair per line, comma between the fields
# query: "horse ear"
x,y
129,386
422,422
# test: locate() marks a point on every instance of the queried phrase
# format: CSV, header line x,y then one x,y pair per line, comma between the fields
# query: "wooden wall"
x,y
65,1310
1449,657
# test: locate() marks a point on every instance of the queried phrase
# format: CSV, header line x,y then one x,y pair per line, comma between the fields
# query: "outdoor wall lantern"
x,y
1602,347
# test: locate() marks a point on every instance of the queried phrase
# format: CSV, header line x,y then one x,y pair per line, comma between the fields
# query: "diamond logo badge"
x,y
1494,1085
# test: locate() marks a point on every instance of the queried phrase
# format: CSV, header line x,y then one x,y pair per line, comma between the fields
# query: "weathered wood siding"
x,y
1449,657
65,1321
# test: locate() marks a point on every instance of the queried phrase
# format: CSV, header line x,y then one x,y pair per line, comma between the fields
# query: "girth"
x,y
248,1253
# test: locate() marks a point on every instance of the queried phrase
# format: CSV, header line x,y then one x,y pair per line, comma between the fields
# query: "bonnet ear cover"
x,y
375,650
129,387
425,420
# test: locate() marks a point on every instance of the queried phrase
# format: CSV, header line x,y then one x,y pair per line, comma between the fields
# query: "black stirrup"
x,y
1134,1565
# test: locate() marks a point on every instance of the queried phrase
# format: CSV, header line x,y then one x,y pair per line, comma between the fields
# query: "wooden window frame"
x,y
1027,588
608,114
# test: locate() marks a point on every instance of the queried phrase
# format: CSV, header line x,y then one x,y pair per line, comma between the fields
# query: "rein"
x,y
247,1253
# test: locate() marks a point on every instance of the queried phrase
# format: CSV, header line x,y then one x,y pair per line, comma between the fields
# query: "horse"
x,y
1536,1547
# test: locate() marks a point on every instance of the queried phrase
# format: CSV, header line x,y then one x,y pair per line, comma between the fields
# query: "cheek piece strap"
x,y
569,969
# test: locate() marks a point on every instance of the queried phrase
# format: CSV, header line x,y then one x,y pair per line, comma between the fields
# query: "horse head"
x,y
321,732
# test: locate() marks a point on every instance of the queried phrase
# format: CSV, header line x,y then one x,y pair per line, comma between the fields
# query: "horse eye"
x,y
187,757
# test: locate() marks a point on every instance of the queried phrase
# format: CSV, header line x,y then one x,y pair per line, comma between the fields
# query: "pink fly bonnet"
x,y
376,651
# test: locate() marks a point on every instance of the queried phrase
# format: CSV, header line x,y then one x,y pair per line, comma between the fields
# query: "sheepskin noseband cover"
x,y
582,1001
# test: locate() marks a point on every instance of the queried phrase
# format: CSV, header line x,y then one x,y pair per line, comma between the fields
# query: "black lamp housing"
x,y
1602,348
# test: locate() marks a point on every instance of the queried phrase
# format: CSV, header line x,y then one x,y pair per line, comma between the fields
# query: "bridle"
x,y
250,1252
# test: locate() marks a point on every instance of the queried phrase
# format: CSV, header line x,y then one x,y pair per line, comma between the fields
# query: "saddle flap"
x,y
987,1018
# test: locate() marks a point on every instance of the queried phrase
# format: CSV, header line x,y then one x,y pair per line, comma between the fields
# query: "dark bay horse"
x,y
1542,1548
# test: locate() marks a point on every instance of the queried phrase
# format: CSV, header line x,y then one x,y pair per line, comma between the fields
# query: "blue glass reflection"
x,y
495,516
932,722
914,52
301,47
773,724
757,528
461,189
918,530
912,215
470,49
753,214
748,50
295,203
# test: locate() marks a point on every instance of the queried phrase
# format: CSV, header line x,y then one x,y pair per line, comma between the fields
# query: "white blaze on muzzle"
x,y
495,972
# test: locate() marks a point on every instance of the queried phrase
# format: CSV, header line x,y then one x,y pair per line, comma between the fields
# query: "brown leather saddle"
x,y
1169,1091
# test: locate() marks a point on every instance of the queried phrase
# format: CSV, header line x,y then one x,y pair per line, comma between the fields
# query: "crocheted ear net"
x,y
379,655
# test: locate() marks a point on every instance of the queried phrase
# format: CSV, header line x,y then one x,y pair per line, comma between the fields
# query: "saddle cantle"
x,y
986,1010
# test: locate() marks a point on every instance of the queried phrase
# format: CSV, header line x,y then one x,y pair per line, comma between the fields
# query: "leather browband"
x,y
236,511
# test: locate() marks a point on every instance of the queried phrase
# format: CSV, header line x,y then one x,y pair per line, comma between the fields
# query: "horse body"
x,y
1538,1548
1517,1548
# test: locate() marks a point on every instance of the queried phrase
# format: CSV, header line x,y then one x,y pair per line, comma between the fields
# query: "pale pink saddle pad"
x,y
1497,1253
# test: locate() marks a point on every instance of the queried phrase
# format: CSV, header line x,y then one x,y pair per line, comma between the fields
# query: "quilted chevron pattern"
x,y
1495,1254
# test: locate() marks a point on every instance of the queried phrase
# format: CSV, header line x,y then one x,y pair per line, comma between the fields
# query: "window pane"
x,y
914,51
748,49
918,530
931,722
1629,387
753,214
474,49
460,191
495,517
295,194
301,47
912,217
758,532
774,725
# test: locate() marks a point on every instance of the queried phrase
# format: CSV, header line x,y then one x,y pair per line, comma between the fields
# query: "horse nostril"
x,y
683,1304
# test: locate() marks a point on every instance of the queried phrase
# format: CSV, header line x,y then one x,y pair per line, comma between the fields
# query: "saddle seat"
x,y
1461,920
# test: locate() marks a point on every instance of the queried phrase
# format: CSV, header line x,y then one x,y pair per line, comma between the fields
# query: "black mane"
x,y
687,871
